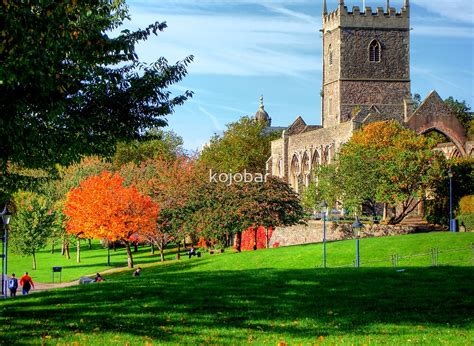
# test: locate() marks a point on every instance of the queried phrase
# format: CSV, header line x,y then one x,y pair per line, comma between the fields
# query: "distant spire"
x,y
406,4
388,6
341,2
261,102
325,7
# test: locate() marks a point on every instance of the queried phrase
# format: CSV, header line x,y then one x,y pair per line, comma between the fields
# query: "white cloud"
x,y
235,45
214,120
460,10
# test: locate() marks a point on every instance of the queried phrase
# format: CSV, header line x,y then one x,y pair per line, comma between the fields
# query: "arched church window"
x,y
330,55
375,51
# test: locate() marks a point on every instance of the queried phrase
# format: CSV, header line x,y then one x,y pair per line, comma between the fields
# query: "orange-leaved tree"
x,y
103,208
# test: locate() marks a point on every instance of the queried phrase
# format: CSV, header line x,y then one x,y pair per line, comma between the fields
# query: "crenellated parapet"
x,y
377,18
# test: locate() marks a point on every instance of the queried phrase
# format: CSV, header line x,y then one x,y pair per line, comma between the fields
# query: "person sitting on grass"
x,y
192,251
137,272
98,278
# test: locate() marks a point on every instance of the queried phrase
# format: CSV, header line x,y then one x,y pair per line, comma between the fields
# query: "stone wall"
x,y
313,232
395,55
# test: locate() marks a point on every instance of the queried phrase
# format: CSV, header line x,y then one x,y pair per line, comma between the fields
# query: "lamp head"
x,y
450,173
357,226
6,216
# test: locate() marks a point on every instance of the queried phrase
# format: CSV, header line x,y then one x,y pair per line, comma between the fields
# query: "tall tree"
x,y
243,146
103,208
32,224
69,86
156,145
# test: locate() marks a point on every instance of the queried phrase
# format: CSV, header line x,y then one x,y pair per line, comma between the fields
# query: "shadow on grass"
x,y
179,306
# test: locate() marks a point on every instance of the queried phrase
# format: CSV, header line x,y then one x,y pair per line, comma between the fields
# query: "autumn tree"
x,y
32,224
396,166
56,191
72,85
168,183
103,208
243,146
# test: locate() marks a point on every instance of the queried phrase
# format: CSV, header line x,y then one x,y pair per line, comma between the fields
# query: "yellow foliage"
x,y
466,204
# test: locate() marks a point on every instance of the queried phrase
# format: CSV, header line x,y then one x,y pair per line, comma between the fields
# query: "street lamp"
x,y
324,205
452,223
357,226
6,216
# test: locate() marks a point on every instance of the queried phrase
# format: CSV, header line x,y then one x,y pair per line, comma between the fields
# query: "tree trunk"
x,y
162,254
52,246
114,246
90,244
129,254
63,247
238,240
152,248
34,260
135,247
78,251
179,250
406,209
66,249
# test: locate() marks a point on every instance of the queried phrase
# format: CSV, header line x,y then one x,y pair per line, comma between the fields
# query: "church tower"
x,y
366,62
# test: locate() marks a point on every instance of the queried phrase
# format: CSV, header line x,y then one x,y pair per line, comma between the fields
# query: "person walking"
x,y
27,283
13,285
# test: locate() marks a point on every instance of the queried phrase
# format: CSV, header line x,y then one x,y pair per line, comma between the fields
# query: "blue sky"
x,y
247,48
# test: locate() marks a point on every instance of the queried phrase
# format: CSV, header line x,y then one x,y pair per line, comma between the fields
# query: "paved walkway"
x,y
40,286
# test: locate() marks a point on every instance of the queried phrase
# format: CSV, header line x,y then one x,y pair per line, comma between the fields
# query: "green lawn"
x,y
92,261
265,297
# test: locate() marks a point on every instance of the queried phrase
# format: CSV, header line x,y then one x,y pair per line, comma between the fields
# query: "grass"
x,y
92,261
263,297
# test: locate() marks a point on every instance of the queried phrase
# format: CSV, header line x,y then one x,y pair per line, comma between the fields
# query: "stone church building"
x,y
366,78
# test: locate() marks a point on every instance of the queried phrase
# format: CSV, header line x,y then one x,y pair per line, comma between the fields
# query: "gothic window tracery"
x,y
375,51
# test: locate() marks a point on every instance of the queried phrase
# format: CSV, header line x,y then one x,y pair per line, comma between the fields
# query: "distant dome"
x,y
262,115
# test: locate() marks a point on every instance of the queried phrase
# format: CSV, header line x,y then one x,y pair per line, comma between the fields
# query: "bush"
x,y
467,220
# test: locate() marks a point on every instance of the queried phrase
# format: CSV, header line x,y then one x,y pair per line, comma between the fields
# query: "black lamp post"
x,y
357,226
324,206
452,223
6,216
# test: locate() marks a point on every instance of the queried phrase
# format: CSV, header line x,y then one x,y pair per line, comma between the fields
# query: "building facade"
x,y
366,78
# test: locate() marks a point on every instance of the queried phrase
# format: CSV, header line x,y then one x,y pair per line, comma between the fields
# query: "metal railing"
x,y
435,257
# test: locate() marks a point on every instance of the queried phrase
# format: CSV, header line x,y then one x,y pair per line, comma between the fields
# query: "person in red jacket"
x,y
26,282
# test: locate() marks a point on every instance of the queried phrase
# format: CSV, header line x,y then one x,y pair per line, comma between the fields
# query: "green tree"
x,y
31,226
157,144
386,163
70,87
217,210
243,146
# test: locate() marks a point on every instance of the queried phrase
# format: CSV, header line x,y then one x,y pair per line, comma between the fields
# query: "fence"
x,y
434,257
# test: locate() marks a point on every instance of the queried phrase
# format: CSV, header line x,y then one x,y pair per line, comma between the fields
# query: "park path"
x,y
42,286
